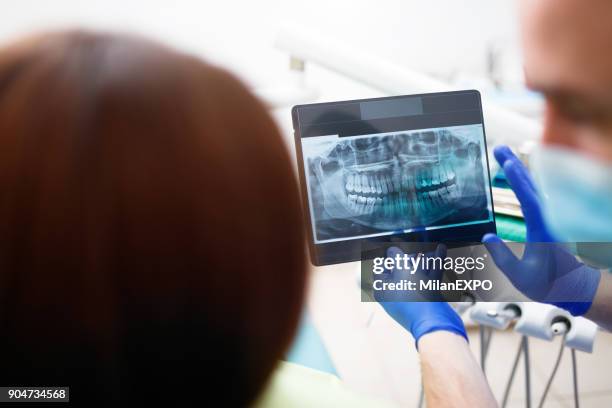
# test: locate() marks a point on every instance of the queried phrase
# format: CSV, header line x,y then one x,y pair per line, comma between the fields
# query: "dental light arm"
x,y
309,45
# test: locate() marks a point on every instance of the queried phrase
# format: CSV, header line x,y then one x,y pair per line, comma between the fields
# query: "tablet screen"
x,y
412,167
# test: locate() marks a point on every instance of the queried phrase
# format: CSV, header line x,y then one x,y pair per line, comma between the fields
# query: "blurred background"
x,y
295,51
469,44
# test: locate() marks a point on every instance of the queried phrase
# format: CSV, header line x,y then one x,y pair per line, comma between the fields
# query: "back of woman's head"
x,y
151,246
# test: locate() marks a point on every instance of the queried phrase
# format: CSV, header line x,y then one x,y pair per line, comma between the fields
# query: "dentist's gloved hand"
x,y
419,317
547,272
523,186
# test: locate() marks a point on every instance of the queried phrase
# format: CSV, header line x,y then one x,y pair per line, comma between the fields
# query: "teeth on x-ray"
x,y
399,180
421,188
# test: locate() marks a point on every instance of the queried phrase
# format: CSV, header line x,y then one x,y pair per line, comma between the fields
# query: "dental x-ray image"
x,y
396,182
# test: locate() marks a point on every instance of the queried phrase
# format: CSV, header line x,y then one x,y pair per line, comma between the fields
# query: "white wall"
x,y
444,37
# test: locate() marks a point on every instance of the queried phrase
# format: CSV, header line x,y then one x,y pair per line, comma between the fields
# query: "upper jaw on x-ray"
x,y
399,181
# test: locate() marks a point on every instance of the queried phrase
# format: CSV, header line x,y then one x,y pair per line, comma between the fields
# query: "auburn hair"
x,y
151,243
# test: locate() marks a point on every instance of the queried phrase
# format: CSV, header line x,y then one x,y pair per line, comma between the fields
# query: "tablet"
x,y
404,168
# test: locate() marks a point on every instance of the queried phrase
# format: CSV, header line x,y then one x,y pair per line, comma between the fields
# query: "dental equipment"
x,y
541,321
560,328
309,45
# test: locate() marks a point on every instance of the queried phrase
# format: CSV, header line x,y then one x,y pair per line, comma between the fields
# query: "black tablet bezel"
x,y
351,249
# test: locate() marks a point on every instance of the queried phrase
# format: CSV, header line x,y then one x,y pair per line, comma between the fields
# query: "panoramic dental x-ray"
x,y
396,182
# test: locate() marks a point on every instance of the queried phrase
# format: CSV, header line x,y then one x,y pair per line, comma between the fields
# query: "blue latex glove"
x,y
523,186
547,272
419,317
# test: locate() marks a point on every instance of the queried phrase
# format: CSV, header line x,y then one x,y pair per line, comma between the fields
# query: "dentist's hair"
x,y
151,242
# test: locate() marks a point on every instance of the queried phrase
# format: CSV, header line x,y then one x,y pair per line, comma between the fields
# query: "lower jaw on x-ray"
x,y
397,182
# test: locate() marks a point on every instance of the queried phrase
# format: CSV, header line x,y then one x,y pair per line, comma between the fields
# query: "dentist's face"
x,y
568,57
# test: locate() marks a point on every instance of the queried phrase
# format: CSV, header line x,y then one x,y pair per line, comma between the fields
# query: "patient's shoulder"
x,y
293,385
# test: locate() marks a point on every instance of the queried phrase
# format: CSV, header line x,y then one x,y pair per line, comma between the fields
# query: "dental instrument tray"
x,y
403,168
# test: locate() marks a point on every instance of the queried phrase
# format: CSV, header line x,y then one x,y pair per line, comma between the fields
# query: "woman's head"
x,y
151,244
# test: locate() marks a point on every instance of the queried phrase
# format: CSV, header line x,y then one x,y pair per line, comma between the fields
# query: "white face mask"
x,y
576,193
